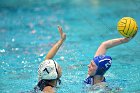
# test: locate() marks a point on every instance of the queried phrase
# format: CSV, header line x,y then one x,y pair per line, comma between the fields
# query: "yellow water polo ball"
x,y
127,27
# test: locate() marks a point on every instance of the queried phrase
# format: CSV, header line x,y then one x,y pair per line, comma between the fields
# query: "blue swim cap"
x,y
103,63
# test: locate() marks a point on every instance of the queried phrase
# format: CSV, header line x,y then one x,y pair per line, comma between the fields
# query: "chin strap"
x,y
90,80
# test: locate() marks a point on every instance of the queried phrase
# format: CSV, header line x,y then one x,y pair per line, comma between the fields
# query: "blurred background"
x,y
28,29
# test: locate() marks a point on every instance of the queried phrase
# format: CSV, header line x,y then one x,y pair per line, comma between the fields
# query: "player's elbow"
x,y
105,45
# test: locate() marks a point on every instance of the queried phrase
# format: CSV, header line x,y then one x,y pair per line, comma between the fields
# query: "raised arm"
x,y
110,43
55,48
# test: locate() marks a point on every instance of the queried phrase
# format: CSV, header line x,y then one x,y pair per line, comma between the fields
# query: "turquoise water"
x,y
29,28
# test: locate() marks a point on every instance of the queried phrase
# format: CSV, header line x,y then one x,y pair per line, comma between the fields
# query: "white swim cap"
x,y
48,70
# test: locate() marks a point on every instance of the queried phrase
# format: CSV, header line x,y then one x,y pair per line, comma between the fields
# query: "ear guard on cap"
x,y
48,70
103,63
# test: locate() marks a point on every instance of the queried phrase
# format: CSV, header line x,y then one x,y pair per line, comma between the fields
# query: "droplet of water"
x,y
39,59
18,56
62,58
13,40
41,54
16,49
22,62
2,50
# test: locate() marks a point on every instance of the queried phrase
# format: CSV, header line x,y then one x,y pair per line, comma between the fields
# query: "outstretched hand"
x,y
56,46
63,35
125,40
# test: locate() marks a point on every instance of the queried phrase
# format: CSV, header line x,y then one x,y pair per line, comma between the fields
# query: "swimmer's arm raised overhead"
x,y
110,43
55,48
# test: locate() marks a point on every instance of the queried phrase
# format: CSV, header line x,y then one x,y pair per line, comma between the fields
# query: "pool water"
x,y
28,29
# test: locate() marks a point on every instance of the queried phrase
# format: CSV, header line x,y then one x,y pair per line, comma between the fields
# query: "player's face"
x,y
92,68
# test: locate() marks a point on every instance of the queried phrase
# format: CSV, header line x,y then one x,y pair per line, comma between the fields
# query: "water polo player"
x,y
101,62
49,71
